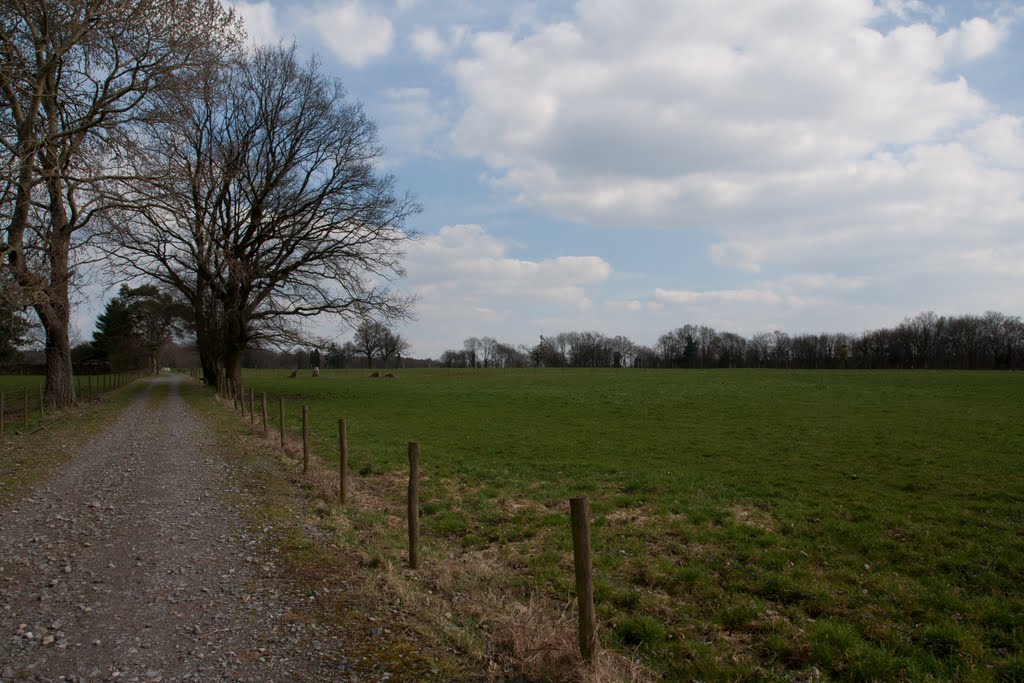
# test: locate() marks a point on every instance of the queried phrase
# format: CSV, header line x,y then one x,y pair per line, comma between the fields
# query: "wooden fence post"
x,y
264,412
252,406
579,509
280,405
305,438
414,505
26,407
42,414
342,460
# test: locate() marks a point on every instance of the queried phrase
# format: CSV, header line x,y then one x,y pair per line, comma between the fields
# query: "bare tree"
x,y
263,207
472,348
487,347
391,344
74,79
367,339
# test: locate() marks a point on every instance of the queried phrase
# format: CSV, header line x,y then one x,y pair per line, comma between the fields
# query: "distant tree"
x,y
646,357
391,344
508,356
546,354
472,349
623,351
348,352
114,339
156,317
453,358
486,347
368,338
338,357
135,325
732,349
14,331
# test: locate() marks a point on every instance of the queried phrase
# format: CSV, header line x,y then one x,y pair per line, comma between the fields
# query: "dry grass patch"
x,y
753,517
463,598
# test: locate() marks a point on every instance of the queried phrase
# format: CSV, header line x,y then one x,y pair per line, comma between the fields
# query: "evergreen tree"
x,y
14,329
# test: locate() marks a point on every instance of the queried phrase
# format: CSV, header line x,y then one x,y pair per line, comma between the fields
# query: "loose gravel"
x,y
132,563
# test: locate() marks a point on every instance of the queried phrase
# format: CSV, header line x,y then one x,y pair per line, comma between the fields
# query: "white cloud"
x,y
973,39
469,285
747,296
1001,139
413,122
259,19
355,34
795,133
427,43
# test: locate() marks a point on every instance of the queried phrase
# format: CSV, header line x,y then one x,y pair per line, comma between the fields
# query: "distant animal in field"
x,y
295,373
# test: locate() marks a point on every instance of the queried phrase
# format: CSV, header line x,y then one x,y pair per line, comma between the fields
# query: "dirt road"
x,y
131,563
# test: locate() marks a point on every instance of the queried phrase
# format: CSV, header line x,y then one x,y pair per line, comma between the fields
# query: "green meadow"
x,y
14,385
747,524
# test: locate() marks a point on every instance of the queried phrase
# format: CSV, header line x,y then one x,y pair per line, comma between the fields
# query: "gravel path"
x,y
131,564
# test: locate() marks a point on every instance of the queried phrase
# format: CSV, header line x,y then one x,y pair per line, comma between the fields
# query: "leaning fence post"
x,y
580,513
280,405
264,412
414,505
342,460
305,438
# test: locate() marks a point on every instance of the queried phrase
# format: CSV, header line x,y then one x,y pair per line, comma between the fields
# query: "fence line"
x,y
84,389
579,517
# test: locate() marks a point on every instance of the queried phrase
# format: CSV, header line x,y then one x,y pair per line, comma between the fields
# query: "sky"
x,y
630,166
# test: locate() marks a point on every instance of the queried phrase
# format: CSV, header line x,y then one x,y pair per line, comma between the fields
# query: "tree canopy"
x,y
263,208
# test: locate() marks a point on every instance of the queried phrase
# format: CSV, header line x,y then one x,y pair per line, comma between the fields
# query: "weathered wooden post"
x,y
305,438
414,505
579,509
41,408
264,412
280,405
342,460
26,407
252,406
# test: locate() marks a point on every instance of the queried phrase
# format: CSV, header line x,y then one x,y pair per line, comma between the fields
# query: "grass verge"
x,y
383,631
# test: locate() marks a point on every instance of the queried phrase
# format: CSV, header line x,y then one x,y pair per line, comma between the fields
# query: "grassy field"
x,y
13,389
748,524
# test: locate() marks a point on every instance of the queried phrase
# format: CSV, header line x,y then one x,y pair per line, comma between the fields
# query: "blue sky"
x,y
632,166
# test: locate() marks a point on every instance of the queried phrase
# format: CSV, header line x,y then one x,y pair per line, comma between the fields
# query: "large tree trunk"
x,y
60,382
55,317
233,362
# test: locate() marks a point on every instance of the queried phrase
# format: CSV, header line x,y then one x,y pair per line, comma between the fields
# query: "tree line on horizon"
x,y
991,341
